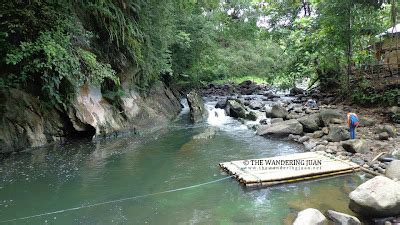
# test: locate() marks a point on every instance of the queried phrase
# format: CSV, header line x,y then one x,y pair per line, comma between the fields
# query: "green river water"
x,y
86,172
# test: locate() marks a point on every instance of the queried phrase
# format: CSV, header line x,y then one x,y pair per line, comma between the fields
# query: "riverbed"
x,y
85,172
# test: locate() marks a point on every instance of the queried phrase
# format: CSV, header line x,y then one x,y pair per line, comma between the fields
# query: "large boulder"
x,y
356,146
367,122
328,116
310,123
277,111
235,109
391,130
296,91
281,128
310,216
221,104
378,197
393,170
342,219
337,133
198,112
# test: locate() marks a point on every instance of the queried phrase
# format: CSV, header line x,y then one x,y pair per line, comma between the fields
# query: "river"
x,y
82,173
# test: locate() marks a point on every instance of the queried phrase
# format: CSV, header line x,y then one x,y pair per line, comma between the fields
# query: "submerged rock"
x,y
208,133
377,197
198,112
310,216
342,219
281,128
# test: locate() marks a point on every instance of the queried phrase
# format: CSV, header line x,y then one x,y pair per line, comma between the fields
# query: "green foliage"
x,y
51,47
370,97
47,57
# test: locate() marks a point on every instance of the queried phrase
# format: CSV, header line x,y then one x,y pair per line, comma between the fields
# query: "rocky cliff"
x,y
26,122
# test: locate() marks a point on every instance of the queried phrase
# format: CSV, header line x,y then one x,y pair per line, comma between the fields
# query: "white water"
x,y
218,118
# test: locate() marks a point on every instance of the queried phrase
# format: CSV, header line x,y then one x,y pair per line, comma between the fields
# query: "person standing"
x,y
353,121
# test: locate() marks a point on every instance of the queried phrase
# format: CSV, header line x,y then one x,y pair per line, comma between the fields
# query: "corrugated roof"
x,y
392,30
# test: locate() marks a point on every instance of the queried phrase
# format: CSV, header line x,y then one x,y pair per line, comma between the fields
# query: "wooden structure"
x,y
287,168
388,48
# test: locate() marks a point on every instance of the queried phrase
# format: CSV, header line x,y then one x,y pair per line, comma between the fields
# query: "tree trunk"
x,y
349,46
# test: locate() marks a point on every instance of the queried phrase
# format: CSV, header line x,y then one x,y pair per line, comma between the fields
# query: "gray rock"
x,y
320,148
358,161
342,219
317,134
377,197
281,129
366,122
296,91
337,133
251,116
391,130
393,170
323,142
235,109
276,120
293,137
309,145
394,110
310,123
221,104
298,110
310,216
325,130
256,105
277,111
264,121
328,116
293,116
198,112
304,139
356,146
383,136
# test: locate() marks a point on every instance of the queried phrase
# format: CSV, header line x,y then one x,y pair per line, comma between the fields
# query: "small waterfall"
x,y
185,106
216,117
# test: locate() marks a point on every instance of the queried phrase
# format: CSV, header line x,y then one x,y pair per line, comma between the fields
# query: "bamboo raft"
x,y
292,168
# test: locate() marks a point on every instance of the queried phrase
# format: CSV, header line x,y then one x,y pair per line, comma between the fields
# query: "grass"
x,y
238,80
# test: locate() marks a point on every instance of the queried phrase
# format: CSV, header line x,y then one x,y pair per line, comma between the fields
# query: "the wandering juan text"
x,y
283,162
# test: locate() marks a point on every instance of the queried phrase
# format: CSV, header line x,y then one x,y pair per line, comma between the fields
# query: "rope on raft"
x,y
115,201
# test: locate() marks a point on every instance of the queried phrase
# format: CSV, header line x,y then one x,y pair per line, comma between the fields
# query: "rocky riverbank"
x,y
27,122
324,128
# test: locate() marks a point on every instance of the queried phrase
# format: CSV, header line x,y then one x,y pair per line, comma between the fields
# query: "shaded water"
x,y
83,173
